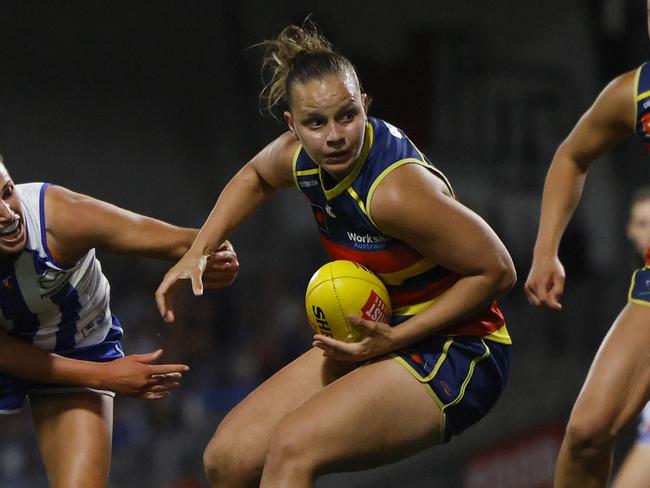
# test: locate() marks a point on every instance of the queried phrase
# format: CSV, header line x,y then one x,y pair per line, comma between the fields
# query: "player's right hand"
x,y
136,376
190,266
545,283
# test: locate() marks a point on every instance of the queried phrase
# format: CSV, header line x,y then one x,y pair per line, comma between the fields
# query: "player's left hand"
x,y
378,339
221,267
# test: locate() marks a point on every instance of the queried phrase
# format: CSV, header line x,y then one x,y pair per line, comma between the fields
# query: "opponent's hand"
x,y
221,267
545,283
190,266
136,376
377,340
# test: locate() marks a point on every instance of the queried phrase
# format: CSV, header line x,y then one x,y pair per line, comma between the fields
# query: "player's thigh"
x,y
247,429
618,383
74,432
376,414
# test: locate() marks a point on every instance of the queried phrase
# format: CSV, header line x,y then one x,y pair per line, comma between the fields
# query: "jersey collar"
x,y
343,185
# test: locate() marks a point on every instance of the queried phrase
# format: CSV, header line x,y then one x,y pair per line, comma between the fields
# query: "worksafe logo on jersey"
x,y
366,241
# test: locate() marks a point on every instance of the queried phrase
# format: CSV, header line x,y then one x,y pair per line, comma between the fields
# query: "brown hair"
x,y
297,55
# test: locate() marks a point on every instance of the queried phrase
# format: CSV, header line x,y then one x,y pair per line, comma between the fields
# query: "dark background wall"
x,y
153,106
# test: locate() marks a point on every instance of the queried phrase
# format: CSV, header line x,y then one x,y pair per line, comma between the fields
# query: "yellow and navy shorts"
x,y
464,376
639,292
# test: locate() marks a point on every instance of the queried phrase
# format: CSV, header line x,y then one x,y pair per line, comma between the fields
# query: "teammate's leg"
x,y
635,472
616,389
235,456
376,414
74,437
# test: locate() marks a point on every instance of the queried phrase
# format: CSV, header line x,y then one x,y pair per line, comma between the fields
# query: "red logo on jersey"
x,y
645,123
375,309
321,218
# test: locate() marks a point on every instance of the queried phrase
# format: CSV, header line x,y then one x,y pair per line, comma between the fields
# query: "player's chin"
x,y
13,244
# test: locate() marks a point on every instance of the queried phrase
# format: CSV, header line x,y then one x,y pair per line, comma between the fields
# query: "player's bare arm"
x,y
414,206
134,375
607,122
269,170
77,223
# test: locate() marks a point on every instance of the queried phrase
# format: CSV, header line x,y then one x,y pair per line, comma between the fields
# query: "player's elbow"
x,y
504,275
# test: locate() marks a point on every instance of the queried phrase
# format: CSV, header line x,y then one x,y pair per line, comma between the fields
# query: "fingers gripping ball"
x,y
340,289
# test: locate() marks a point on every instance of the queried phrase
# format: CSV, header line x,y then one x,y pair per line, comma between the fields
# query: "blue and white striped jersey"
x,y
55,307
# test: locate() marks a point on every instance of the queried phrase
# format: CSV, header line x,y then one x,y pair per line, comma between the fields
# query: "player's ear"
x,y
365,101
288,118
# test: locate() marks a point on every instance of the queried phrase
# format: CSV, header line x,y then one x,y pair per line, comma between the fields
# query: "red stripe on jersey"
x,y
399,298
396,258
485,322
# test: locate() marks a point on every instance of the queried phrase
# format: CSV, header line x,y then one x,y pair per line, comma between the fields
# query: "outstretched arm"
x,y
134,375
76,223
252,185
609,120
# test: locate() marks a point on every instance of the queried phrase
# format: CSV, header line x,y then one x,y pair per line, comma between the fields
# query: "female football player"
x,y
444,360
60,344
618,383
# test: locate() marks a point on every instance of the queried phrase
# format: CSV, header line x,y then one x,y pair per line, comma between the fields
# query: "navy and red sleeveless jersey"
x,y
348,231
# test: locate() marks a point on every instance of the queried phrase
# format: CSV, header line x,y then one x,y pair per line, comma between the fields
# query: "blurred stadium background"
x,y
153,106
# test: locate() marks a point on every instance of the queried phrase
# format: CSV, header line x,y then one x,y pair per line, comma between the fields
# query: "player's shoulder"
x,y
275,162
285,146
615,104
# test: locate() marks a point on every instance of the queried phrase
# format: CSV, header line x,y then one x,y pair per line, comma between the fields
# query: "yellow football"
x,y
340,289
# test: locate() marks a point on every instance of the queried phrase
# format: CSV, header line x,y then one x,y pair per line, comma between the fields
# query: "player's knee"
x,y
292,448
590,433
226,463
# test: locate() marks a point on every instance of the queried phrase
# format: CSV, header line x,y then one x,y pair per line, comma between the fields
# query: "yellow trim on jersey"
x,y
637,75
393,167
293,165
357,199
383,175
416,308
342,185
398,277
307,172
439,173
636,301
502,336
643,95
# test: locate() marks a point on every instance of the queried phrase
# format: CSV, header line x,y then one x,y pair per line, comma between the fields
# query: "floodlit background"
x,y
153,106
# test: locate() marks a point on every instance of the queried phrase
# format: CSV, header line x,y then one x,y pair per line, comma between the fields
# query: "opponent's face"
x,y
638,227
328,115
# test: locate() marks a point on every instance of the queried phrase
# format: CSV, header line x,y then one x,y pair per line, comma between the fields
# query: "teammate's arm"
x,y
413,205
609,120
269,170
133,375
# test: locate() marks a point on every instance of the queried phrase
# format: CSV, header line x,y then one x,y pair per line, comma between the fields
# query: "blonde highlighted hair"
x,y
297,55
